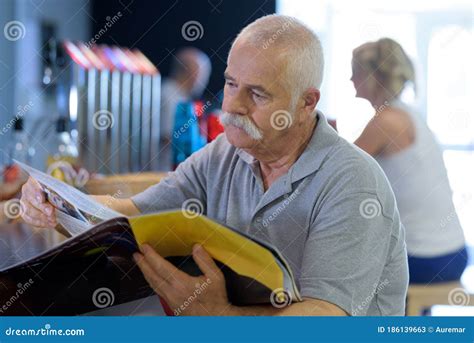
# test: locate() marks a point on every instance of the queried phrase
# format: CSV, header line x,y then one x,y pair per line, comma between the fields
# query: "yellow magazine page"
x,y
174,234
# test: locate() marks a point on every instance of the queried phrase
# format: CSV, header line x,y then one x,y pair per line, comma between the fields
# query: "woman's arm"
x,y
125,206
388,132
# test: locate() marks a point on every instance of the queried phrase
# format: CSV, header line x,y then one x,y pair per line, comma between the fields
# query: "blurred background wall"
x,y
155,28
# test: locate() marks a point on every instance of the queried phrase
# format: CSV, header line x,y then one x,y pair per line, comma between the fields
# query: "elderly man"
x,y
280,173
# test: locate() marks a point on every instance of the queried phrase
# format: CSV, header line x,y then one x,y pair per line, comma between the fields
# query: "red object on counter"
x,y
214,126
11,173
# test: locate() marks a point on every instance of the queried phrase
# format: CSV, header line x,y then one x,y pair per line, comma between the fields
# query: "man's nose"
x,y
234,104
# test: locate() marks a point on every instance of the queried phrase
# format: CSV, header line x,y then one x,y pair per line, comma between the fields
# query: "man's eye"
x,y
230,83
258,96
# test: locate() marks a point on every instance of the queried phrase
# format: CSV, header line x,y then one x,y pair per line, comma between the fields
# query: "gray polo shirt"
x,y
333,216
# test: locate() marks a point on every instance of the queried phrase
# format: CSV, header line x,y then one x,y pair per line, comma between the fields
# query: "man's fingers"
x,y
42,210
205,262
159,284
47,209
37,222
35,217
33,194
161,266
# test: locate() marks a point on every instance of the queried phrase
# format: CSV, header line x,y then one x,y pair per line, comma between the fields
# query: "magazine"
x,y
255,272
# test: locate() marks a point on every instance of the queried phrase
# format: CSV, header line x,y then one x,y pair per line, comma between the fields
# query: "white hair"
x,y
297,44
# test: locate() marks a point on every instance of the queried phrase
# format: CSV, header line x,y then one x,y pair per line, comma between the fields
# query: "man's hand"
x,y
36,210
185,294
207,295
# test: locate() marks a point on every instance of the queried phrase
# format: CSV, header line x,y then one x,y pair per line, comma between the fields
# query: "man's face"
x,y
254,90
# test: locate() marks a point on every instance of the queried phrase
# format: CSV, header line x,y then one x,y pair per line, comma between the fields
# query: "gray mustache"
x,y
241,122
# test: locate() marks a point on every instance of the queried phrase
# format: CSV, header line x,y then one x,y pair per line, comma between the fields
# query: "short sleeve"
x,y
187,182
346,251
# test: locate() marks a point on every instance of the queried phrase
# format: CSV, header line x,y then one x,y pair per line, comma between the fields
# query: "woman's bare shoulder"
x,y
394,119
398,124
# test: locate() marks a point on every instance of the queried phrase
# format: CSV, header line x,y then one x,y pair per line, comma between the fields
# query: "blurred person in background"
x,y
189,76
407,151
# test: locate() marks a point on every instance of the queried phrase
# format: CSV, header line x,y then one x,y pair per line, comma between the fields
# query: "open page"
x,y
72,225
76,209
112,236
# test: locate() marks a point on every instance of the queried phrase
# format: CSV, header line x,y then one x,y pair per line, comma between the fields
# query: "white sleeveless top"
x,y
420,182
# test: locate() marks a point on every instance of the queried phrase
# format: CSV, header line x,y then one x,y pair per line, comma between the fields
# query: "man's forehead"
x,y
253,63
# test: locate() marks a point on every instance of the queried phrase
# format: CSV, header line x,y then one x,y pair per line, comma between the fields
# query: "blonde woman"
x,y
408,153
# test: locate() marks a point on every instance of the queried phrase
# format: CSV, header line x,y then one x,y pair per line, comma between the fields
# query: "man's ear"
x,y
311,99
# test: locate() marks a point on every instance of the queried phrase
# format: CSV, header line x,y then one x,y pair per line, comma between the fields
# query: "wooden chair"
x,y
423,297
